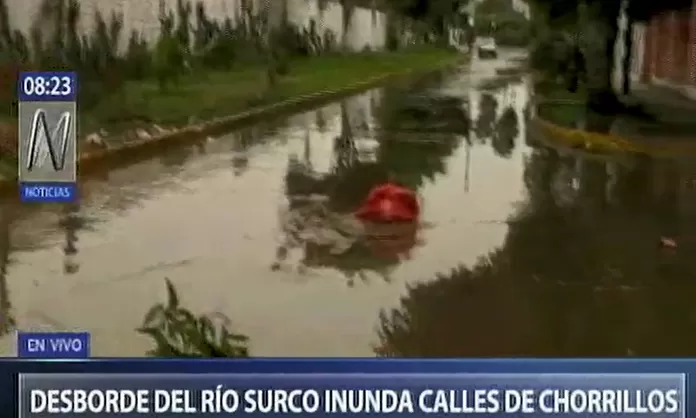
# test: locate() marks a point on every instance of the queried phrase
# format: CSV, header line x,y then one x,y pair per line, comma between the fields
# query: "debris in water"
x,y
666,242
339,240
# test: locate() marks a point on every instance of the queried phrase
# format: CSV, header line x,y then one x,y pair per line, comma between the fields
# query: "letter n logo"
x,y
43,143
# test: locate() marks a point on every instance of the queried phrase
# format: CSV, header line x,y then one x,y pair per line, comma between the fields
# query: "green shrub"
x,y
179,333
103,71
508,30
513,35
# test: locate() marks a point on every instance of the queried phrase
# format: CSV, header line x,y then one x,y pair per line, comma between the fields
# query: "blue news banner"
x,y
55,377
322,395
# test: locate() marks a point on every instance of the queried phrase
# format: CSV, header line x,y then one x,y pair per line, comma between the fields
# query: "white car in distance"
x,y
487,48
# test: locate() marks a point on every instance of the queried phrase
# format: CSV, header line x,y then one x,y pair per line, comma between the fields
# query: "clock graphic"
x,y
47,86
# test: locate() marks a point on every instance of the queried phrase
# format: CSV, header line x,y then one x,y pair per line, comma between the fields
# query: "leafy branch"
x,y
177,332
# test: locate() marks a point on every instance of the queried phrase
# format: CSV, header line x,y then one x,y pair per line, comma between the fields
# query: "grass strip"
x,y
207,95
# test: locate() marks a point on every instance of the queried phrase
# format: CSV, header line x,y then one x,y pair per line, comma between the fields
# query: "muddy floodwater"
x,y
523,249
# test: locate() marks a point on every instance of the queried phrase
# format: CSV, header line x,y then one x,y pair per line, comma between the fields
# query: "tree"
x,y
562,284
71,223
602,15
417,134
506,130
485,123
438,14
510,26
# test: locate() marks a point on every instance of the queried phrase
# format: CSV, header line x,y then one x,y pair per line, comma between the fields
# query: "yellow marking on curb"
x,y
598,140
608,142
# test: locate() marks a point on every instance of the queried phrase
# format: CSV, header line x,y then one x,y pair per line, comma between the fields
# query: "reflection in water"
x,y
440,122
498,112
668,201
345,149
632,184
565,282
240,159
177,157
506,131
571,263
485,124
320,121
405,154
468,312
71,222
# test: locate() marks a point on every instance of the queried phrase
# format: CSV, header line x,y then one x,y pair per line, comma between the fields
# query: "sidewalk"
x,y
671,115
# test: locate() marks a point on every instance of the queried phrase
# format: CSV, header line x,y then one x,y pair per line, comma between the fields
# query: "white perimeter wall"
x,y
367,28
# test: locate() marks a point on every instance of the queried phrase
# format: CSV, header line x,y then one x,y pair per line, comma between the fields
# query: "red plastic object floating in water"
x,y
389,203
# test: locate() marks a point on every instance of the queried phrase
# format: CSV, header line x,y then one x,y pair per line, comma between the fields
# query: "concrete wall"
x,y
638,58
366,28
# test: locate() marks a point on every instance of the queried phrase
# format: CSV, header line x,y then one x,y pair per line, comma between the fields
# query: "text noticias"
x,y
307,401
48,192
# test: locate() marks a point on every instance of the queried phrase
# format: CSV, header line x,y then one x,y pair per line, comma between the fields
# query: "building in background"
x,y
664,51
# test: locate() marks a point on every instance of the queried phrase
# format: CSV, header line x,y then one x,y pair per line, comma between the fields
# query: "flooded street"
x,y
555,254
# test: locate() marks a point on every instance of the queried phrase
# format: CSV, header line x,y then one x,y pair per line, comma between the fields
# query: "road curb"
x,y
577,138
88,160
105,159
609,143
605,142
